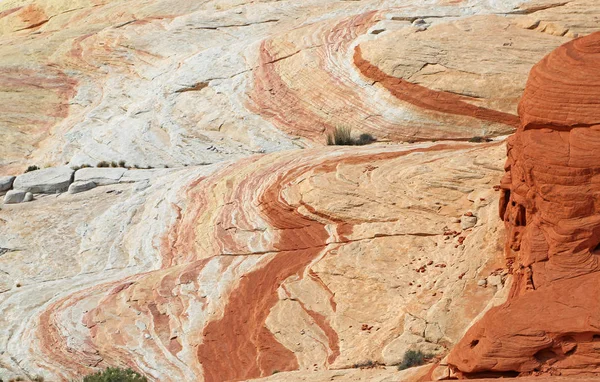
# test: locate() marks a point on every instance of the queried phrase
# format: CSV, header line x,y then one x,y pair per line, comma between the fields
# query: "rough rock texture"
x,y
201,82
6,183
14,196
249,255
81,186
549,205
330,257
100,176
45,181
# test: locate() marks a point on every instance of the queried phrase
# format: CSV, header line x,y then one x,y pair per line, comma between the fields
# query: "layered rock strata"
x,y
551,212
308,260
154,84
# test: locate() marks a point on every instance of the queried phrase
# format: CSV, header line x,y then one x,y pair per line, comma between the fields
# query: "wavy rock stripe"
x,y
311,100
550,323
204,314
563,89
304,99
429,99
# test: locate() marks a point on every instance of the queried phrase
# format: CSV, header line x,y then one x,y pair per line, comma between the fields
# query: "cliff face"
x,y
259,252
550,209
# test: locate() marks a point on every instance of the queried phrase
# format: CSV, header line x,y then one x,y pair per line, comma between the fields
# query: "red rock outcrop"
x,y
551,321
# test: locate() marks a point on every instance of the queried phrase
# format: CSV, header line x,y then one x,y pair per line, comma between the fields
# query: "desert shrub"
x,y
479,139
103,164
342,136
414,358
114,164
115,374
32,168
365,139
121,163
364,365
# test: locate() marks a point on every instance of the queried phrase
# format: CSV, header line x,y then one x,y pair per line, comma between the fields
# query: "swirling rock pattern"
x,y
153,84
267,264
550,323
267,258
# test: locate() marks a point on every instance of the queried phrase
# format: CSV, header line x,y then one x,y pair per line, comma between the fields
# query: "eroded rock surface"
x,y
45,181
251,256
550,323
155,84
327,257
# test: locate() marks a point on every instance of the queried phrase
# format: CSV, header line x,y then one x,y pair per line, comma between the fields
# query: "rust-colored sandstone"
x,y
262,253
551,208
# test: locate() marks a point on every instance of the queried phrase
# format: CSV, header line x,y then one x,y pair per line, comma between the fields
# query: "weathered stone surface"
x,y
6,183
197,95
28,197
295,238
45,181
102,176
467,222
549,325
14,196
307,262
141,174
81,186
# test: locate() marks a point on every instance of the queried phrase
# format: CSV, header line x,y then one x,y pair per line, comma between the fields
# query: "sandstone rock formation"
x,y
550,323
45,181
81,186
218,80
6,183
326,257
14,196
260,252
100,176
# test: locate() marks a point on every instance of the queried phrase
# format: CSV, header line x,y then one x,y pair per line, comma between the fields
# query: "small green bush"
x,y
342,136
103,164
115,374
114,164
414,358
32,168
121,163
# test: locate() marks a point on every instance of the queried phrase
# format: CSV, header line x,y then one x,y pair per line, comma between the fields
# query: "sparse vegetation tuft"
x,y
103,164
75,168
342,136
32,168
114,164
365,365
365,139
479,139
414,358
115,374
121,163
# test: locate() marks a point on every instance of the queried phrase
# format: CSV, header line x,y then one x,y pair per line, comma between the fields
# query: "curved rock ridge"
x,y
563,90
266,264
153,84
550,324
